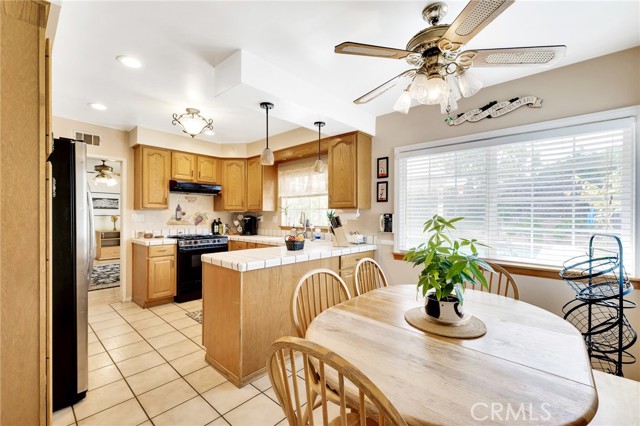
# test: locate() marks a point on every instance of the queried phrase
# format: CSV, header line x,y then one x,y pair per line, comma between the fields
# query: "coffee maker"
x,y
250,225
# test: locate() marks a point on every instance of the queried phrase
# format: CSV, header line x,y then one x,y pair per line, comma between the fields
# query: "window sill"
x,y
321,228
530,270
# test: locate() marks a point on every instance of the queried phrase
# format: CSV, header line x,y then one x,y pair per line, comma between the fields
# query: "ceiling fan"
x,y
104,174
441,68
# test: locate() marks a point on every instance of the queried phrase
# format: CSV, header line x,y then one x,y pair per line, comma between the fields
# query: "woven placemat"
x,y
474,327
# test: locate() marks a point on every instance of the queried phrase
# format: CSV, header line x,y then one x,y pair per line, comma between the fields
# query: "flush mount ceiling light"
x,y
267,158
319,166
129,61
104,175
99,107
192,122
440,66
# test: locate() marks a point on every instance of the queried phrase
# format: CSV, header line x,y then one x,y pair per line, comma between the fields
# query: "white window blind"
x,y
303,190
533,198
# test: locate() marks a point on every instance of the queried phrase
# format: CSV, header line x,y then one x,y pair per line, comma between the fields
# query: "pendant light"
x,y
319,166
266,158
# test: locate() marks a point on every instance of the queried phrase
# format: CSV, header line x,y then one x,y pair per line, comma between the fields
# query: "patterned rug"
x,y
105,276
196,315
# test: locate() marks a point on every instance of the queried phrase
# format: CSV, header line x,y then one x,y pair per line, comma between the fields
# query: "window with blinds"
x,y
533,198
303,191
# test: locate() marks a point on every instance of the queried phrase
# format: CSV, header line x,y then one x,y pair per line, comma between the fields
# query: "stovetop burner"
x,y
201,241
197,237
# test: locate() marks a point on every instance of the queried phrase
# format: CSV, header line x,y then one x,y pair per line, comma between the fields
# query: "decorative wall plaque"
x,y
494,109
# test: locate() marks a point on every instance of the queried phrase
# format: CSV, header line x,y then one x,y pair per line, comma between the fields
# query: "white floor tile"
x,y
189,363
195,412
166,397
259,410
108,323
166,339
152,378
102,398
204,379
118,330
63,417
139,363
99,361
192,331
122,340
127,413
95,348
147,322
130,351
103,376
226,397
183,323
179,349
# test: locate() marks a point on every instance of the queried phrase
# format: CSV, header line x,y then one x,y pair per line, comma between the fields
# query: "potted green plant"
x,y
445,269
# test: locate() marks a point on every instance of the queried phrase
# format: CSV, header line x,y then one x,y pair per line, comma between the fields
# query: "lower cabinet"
x,y
154,274
237,245
347,268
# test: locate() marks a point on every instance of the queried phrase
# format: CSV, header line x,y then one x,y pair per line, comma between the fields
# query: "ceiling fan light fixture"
x,y
419,86
469,84
192,122
437,91
267,158
403,103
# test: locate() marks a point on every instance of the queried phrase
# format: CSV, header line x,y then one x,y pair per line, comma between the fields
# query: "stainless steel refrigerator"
x,y
72,264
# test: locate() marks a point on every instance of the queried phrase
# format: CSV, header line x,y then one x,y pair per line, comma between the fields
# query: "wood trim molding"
x,y
530,270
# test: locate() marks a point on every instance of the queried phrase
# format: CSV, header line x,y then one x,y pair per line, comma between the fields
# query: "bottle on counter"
x,y
214,227
178,212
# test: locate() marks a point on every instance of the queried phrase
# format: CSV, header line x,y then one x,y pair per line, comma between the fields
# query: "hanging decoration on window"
x,y
494,109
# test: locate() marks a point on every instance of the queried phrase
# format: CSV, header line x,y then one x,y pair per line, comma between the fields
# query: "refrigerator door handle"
x,y
92,233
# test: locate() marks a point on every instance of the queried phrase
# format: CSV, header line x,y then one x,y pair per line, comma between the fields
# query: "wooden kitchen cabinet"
x,y
207,169
347,268
234,178
262,186
183,166
152,170
154,274
349,171
238,245
107,245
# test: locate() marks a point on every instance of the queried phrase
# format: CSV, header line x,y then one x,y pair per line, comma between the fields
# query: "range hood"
x,y
194,188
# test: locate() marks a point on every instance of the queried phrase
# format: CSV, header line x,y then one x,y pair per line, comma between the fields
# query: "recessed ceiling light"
x,y
129,61
209,132
97,106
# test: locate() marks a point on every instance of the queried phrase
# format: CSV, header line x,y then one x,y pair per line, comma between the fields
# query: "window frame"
x,y
520,133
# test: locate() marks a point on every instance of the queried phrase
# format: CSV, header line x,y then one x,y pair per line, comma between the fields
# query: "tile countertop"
x,y
153,241
249,260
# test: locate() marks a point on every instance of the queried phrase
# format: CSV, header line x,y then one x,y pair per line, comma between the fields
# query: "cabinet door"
x,y
207,169
156,166
234,184
254,184
342,173
162,277
183,166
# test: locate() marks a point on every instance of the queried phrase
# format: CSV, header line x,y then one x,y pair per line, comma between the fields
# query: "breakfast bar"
x,y
246,298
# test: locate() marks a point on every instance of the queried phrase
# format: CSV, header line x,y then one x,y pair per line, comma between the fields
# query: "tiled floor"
x,y
146,366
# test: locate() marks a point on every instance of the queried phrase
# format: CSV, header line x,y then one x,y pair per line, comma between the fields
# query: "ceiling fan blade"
x,y
474,17
383,87
512,56
351,48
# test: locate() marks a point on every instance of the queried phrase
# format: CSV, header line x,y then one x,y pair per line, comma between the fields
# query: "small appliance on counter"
x,y
249,225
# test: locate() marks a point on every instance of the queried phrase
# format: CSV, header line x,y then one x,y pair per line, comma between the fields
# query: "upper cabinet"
x,y
207,169
261,186
350,171
234,178
183,166
152,170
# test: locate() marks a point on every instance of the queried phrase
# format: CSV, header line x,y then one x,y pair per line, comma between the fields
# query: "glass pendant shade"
x,y
453,86
319,166
104,179
403,103
192,122
192,125
469,84
267,158
437,90
418,89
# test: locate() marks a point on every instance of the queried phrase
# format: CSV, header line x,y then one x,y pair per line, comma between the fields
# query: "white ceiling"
x,y
191,56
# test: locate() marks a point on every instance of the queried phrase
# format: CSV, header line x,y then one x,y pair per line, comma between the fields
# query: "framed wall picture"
x,y
383,167
105,203
383,188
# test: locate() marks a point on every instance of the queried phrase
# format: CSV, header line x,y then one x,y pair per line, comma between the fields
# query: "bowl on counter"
x,y
294,245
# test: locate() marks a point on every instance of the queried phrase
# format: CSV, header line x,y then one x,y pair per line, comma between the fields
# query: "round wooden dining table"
x,y
530,368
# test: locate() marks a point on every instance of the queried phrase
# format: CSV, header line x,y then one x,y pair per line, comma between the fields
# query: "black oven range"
x,y
189,270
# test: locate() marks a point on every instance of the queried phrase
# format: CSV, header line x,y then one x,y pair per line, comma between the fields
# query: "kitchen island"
x,y
246,299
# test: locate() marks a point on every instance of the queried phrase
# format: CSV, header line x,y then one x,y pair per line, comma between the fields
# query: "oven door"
x,y
189,274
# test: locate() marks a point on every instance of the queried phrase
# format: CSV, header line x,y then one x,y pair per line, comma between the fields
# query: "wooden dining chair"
x,y
499,282
368,404
369,276
316,291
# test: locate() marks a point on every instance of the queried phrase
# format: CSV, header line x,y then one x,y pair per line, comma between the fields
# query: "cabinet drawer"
x,y
349,261
165,250
109,252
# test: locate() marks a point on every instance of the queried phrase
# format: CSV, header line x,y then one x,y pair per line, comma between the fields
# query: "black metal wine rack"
x,y
597,311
